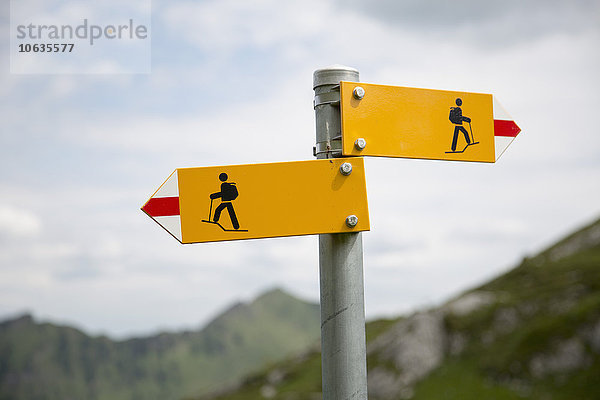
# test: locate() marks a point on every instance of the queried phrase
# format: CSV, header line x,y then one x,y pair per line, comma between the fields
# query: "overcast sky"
x,y
231,83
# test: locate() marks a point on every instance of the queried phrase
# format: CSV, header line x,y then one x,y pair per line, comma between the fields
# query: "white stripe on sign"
x,y
170,188
172,223
501,143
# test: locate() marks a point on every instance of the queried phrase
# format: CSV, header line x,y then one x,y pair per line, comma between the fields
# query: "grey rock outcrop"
x,y
568,356
414,347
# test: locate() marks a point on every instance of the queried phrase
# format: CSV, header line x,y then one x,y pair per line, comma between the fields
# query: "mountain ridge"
x,y
533,332
43,360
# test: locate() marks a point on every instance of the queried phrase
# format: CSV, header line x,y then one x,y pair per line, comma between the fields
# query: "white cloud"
x,y
273,128
226,25
484,23
18,223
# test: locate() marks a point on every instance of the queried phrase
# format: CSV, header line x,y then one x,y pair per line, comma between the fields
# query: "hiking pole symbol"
x,y
471,129
210,210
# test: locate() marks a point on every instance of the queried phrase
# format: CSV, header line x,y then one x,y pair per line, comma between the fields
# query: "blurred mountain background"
x,y
531,333
47,361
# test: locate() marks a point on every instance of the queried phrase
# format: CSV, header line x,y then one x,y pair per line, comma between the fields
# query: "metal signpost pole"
x,y
343,345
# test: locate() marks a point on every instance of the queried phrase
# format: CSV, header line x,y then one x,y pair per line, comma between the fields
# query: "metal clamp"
x,y
333,153
328,148
332,98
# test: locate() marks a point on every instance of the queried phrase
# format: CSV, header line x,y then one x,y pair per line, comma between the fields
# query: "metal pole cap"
x,y
333,74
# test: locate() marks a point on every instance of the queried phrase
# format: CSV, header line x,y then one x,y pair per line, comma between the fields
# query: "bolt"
x,y
346,168
360,143
358,93
351,221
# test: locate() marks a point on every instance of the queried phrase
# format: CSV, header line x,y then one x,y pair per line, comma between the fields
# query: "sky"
x,y
230,82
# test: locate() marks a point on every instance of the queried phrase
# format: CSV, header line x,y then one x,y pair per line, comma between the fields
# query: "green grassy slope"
x,y
298,377
535,340
45,361
536,335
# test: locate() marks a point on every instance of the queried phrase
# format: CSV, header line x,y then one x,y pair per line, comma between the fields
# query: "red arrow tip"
x,y
162,206
505,128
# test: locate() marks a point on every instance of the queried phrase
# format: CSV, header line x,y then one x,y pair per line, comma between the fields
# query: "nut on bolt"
x,y
351,221
358,93
360,143
346,168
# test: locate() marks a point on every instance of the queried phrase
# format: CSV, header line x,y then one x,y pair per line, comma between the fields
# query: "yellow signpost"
x,y
251,201
392,121
328,196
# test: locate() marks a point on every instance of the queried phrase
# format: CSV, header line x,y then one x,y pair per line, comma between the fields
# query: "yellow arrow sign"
x,y
392,121
262,200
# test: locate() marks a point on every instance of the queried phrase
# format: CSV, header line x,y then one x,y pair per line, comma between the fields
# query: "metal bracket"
x,y
325,148
333,153
332,98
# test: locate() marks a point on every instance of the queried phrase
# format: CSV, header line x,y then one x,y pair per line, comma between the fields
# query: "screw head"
x,y
351,221
358,93
360,143
346,168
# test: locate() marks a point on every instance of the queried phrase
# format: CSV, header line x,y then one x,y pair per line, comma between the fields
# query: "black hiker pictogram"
x,y
457,118
227,194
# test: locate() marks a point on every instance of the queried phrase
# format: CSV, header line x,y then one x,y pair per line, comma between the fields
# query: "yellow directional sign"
x,y
232,202
394,121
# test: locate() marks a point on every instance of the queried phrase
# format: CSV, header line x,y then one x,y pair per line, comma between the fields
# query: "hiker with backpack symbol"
x,y
457,119
227,194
